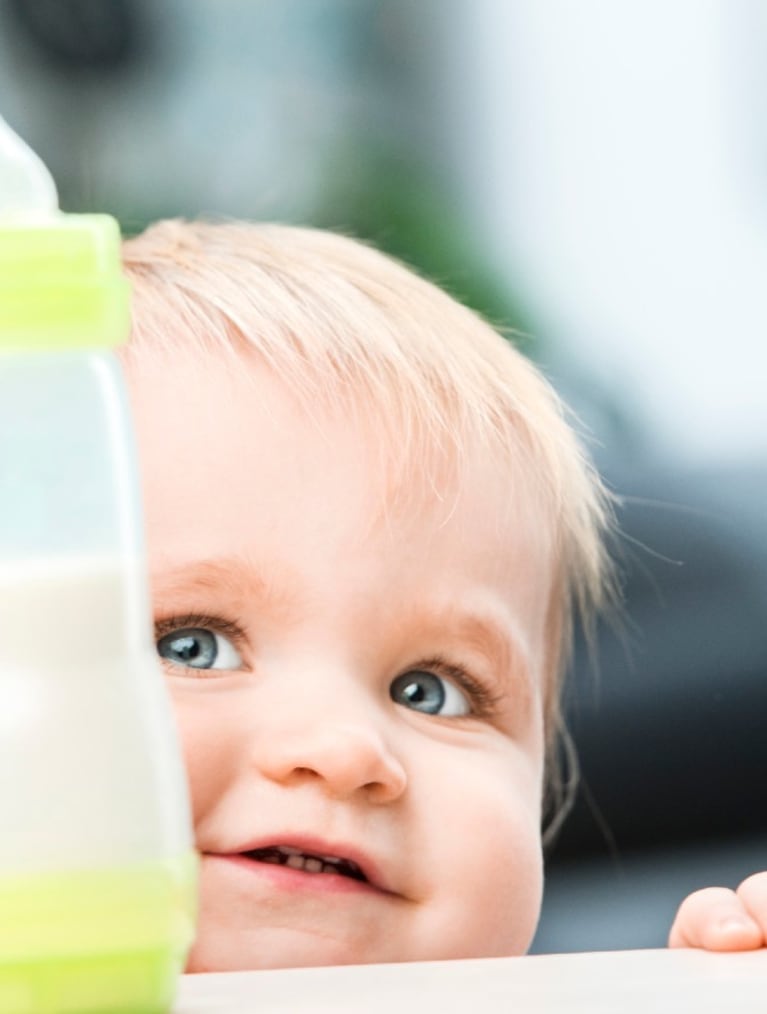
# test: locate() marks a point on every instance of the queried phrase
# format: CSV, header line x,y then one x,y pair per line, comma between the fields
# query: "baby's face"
x,y
359,696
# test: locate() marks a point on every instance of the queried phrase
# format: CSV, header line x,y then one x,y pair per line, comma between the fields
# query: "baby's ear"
x,y
718,919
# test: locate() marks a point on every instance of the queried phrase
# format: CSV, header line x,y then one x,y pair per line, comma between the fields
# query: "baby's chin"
x,y
227,951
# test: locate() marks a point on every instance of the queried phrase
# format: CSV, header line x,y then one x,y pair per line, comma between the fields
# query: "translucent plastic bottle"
x,y
97,868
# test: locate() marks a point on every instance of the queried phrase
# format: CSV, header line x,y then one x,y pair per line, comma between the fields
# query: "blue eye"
x,y
431,694
197,648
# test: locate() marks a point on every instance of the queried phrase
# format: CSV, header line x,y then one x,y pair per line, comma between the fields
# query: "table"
x,y
611,982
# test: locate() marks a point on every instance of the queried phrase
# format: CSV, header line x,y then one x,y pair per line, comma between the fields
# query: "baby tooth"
x,y
296,861
313,865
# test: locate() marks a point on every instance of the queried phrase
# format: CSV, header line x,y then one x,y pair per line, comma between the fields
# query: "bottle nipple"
x,y
26,187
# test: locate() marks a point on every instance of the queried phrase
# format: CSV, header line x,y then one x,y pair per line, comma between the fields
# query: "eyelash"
x,y
484,703
216,624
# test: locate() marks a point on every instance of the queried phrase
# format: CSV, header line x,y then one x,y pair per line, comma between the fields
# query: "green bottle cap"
x,y
61,283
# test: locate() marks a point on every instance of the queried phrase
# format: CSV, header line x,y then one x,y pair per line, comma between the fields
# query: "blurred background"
x,y
591,175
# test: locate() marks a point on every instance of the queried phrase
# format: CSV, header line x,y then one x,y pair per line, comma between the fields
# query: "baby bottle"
x,y
97,868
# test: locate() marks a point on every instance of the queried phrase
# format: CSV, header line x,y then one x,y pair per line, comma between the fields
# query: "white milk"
x,y
87,773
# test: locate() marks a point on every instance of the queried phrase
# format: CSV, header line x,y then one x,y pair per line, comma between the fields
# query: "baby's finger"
x,y
753,894
715,919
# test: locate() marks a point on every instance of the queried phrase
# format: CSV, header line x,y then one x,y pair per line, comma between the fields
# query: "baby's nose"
x,y
346,758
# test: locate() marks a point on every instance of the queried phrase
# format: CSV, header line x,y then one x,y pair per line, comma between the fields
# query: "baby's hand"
x,y
718,919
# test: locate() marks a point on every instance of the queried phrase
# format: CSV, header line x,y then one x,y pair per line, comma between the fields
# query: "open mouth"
x,y
307,862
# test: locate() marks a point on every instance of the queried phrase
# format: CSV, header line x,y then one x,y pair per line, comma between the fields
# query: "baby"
x,y
369,529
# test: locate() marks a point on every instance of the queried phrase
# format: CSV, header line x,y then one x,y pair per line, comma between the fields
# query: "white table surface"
x,y
618,982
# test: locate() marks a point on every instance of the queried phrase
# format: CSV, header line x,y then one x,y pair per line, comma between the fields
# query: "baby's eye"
x,y
198,648
429,693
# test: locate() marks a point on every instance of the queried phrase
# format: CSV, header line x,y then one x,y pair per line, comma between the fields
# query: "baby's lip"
x,y
354,861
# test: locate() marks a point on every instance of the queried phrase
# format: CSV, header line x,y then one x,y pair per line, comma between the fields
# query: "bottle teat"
x,y
26,187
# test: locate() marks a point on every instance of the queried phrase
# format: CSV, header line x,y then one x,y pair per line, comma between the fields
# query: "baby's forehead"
x,y
455,487
447,483
419,460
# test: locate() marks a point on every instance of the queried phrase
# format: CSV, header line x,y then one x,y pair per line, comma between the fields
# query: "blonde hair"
x,y
336,319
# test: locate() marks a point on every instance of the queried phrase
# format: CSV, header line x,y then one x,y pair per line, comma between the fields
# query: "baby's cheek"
x,y
490,910
504,885
486,875
204,751
509,901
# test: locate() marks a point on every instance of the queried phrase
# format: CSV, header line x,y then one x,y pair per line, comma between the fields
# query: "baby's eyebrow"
x,y
232,577
494,637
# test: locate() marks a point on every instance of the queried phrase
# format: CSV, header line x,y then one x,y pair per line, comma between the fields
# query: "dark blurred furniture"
x,y
671,730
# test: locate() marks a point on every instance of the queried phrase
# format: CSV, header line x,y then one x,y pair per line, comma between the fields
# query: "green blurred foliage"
x,y
402,207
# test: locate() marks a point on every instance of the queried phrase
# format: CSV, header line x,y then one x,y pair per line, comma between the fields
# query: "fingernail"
x,y
732,923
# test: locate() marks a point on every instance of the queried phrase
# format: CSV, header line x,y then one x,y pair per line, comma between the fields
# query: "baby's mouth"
x,y
307,862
